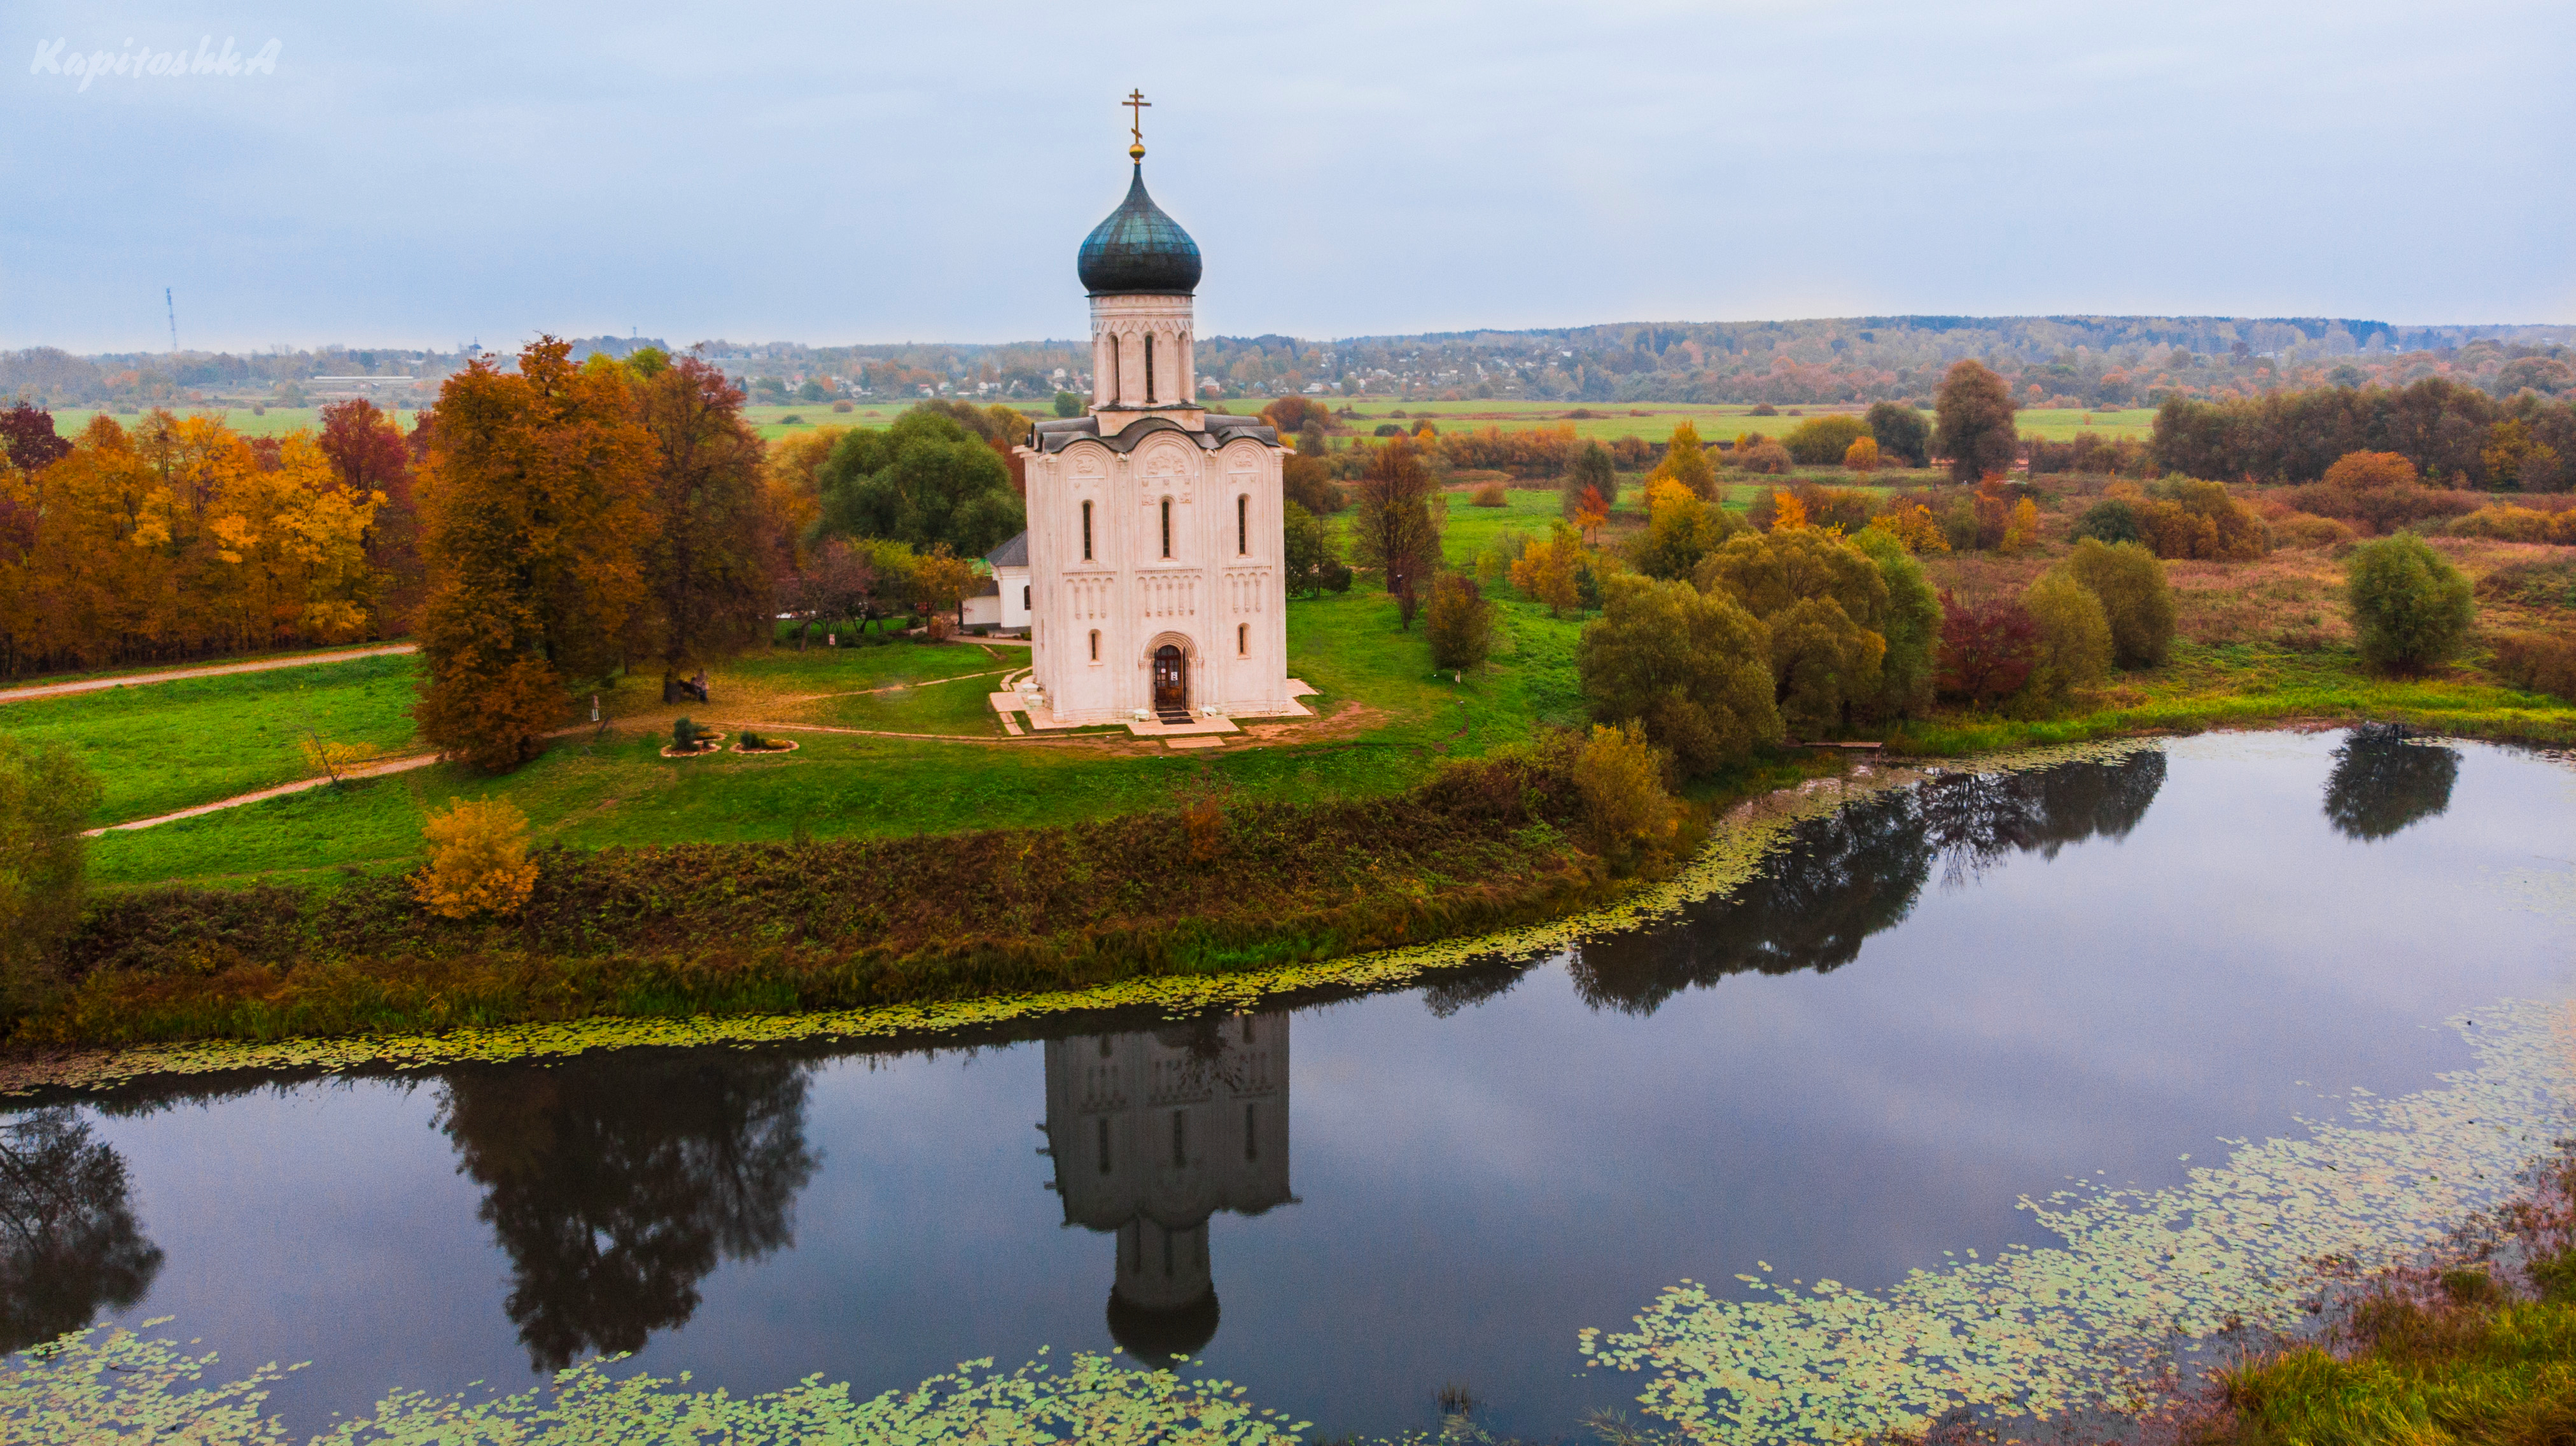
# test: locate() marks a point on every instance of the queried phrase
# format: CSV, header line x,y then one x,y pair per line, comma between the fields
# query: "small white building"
x,y
1153,555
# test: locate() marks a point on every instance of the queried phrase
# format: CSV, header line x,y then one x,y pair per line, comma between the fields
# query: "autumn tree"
x,y
369,454
1975,422
1822,441
1681,528
1685,461
1861,455
1693,668
1824,603
535,518
1393,527
1591,470
716,544
836,580
2074,634
1545,570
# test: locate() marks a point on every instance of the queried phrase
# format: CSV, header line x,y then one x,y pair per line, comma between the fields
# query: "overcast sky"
x,y
416,174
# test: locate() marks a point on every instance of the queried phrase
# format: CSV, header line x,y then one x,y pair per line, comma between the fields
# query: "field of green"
x,y
166,746
158,747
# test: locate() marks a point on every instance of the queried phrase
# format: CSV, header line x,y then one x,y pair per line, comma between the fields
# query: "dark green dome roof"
x,y
1139,249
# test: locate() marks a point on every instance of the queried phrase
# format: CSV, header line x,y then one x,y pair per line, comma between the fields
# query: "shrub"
x,y
2364,470
2021,526
2547,582
1764,409
1492,494
2410,608
1546,567
2113,519
2377,492
1764,456
45,799
1460,624
1861,455
2074,635
1822,441
1988,649
1692,667
1914,528
2306,529
2538,663
1620,774
2189,518
687,736
1388,429
2506,522
478,860
2130,582
1844,509
1901,433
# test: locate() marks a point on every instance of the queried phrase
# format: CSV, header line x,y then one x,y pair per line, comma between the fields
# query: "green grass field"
x,y
157,747
232,735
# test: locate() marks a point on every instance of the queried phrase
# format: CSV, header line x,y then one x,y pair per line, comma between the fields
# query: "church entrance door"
x,y
1171,681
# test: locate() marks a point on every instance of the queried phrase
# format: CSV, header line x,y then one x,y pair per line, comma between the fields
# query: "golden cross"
x,y
1136,107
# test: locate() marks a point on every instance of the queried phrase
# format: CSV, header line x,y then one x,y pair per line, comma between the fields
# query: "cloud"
x,y
442,171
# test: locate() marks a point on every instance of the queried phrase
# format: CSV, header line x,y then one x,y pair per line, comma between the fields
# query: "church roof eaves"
x,y
1056,436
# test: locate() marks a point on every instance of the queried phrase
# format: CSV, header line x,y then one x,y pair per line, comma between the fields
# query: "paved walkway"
x,y
301,660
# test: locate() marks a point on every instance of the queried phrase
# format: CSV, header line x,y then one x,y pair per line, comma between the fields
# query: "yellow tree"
x,y
1686,463
533,526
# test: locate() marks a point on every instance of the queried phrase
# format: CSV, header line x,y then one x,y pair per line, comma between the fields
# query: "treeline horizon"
x,y
2067,360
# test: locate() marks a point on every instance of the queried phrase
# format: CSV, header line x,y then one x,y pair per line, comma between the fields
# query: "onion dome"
x,y
1139,250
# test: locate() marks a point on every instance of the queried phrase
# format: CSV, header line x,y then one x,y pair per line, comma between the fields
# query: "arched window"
x,y
1149,369
1167,527
1114,380
1086,532
1243,640
1095,645
1242,525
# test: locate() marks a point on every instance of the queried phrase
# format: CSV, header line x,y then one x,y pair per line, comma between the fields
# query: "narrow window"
x,y
1180,1152
1167,527
1095,645
1242,525
1115,380
1243,640
1024,597
1086,532
1251,1140
1104,1144
1149,369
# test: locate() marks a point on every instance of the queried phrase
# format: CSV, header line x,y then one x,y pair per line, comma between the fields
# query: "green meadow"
x,y
168,746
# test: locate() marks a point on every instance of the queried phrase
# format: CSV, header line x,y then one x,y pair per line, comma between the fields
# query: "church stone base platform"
x,y
1012,708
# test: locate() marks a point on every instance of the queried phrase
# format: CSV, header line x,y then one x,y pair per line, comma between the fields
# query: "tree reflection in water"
x,y
2381,783
617,1184
68,1241
1858,872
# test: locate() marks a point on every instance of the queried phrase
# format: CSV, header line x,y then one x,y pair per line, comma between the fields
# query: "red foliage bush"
x,y
1987,648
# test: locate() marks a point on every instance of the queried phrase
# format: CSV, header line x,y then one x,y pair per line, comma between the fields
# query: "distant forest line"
x,y
2051,361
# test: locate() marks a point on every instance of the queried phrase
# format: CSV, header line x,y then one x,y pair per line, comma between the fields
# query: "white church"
x,y
1153,582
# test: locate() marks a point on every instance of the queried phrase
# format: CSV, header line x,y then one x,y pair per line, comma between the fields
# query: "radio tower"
x,y
173,308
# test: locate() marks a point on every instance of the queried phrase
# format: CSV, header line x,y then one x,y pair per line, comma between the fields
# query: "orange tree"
x,y
534,525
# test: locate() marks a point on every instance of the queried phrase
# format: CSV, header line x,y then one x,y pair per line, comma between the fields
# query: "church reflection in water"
x,y
1152,1133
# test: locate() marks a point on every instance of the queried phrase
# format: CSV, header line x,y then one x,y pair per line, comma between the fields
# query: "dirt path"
x,y
93,685
377,769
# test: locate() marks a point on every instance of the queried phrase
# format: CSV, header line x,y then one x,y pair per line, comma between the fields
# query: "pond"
x,y
1930,1005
